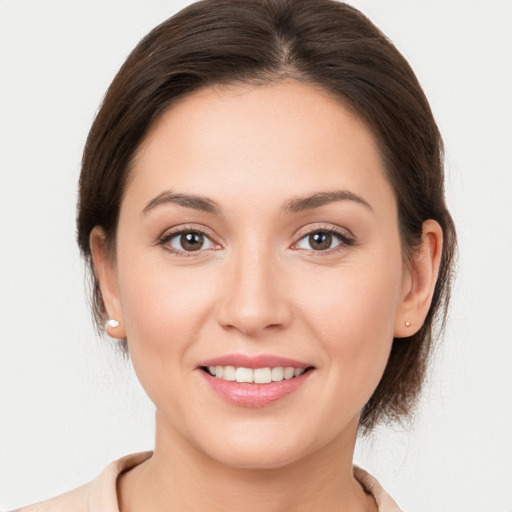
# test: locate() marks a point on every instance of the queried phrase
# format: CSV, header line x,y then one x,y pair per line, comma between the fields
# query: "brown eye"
x,y
189,241
320,241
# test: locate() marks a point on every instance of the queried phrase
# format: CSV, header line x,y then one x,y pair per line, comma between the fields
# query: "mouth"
x,y
265,375
254,381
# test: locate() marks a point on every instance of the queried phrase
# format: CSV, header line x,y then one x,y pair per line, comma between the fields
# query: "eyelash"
x,y
168,236
345,239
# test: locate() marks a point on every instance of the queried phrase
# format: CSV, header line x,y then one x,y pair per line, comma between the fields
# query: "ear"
x,y
419,281
104,268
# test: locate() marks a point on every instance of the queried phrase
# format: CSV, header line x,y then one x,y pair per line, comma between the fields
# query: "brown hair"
x,y
323,42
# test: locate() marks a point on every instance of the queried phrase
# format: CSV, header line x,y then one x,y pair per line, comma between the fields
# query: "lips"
x,y
254,381
261,361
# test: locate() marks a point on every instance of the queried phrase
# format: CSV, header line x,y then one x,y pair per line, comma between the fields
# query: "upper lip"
x,y
260,361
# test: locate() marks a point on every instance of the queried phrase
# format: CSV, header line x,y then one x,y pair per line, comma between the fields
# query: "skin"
x,y
258,288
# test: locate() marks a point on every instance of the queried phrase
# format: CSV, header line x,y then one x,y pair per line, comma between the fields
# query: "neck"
x,y
179,477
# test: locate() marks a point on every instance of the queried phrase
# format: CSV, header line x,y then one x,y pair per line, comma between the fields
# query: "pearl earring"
x,y
113,323
407,324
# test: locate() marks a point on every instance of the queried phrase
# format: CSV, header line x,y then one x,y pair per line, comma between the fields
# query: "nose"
x,y
254,301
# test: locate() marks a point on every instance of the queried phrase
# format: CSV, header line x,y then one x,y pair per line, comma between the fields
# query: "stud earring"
x,y
407,324
113,323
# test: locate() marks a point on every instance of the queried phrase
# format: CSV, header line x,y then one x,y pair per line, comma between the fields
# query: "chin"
x,y
259,459
257,451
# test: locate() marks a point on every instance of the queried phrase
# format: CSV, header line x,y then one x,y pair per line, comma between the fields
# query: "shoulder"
x,y
371,485
100,494
76,500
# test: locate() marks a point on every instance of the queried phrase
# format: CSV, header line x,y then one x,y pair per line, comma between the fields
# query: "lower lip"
x,y
254,395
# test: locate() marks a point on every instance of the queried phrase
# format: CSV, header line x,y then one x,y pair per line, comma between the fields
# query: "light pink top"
x,y
100,495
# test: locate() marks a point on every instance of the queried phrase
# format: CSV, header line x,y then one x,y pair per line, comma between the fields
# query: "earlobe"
x,y
421,281
104,268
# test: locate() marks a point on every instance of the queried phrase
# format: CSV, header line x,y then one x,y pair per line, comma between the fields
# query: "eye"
x,y
188,241
322,240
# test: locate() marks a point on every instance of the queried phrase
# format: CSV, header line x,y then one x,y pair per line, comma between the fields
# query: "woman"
x,y
261,206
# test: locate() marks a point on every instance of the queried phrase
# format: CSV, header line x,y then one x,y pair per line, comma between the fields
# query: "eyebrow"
x,y
302,204
296,205
187,200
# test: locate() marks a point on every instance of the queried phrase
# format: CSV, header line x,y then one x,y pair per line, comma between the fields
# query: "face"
x,y
258,239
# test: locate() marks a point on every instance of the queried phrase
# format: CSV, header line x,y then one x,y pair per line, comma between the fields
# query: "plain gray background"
x,y
68,406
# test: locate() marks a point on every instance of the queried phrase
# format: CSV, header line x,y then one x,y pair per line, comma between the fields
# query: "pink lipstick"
x,y
254,381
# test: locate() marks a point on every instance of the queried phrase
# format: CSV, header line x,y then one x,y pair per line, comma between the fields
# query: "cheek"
x,y
162,308
352,314
164,313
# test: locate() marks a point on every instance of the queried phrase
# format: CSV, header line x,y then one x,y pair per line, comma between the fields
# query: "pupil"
x,y
191,241
320,241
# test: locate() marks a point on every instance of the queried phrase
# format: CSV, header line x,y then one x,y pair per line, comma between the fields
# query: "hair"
x,y
322,42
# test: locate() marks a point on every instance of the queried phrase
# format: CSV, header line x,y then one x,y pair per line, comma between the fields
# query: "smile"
x,y
254,375
254,381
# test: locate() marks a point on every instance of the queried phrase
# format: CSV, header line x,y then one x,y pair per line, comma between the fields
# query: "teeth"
x,y
229,373
288,373
262,375
277,374
244,375
255,376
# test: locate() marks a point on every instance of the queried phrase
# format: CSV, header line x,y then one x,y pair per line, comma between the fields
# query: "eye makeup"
x,y
194,241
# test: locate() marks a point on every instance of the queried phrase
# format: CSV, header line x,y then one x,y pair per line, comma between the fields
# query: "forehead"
x,y
286,138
